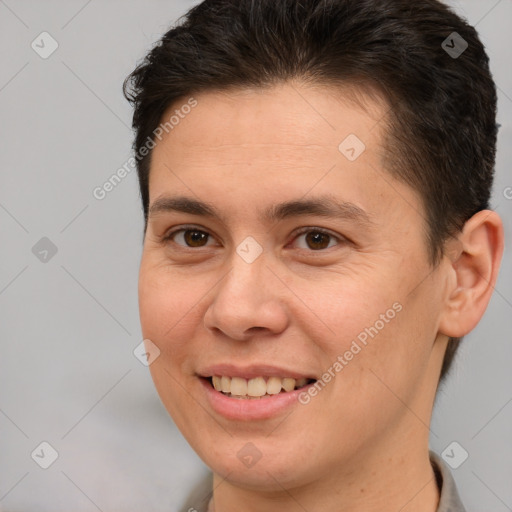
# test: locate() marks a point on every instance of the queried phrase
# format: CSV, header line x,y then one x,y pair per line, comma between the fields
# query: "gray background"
x,y
69,325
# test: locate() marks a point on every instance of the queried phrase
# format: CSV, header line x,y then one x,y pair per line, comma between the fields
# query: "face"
x,y
279,248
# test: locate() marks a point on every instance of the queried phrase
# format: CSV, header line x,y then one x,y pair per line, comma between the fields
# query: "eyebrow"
x,y
323,206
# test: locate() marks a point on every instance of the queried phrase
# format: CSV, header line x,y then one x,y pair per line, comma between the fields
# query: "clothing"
x,y
449,497
449,500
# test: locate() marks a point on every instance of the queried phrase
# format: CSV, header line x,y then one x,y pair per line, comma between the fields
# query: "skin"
x,y
362,442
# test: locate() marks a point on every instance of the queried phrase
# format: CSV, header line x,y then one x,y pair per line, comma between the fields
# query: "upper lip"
x,y
252,371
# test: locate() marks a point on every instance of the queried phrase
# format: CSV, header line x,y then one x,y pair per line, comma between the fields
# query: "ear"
x,y
475,259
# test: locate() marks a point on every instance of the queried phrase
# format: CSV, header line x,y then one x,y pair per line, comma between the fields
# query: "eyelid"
x,y
307,229
340,239
192,227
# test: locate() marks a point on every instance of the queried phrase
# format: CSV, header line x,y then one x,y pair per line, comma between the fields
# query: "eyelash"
x,y
341,240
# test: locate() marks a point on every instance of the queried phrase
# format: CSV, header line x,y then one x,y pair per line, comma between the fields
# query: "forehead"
x,y
259,147
280,134
290,114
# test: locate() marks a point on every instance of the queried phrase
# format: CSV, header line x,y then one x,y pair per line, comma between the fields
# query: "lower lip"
x,y
251,409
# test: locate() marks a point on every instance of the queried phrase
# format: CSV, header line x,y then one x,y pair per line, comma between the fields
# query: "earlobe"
x,y
474,269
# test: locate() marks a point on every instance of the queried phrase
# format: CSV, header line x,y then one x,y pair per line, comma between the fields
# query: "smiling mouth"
x,y
256,388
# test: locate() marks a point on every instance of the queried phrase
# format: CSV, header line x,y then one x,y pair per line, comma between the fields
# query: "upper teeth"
x,y
257,386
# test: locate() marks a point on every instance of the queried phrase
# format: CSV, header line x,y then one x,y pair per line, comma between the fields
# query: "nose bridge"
x,y
244,284
247,268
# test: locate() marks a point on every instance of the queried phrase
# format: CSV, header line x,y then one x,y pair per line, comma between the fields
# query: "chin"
x,y
260,464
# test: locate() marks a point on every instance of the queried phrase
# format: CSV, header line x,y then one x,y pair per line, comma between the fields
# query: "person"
x,y
315,179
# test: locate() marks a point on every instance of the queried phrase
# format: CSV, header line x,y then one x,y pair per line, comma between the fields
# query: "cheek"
x,y
165,307
163,299
382,333
346,307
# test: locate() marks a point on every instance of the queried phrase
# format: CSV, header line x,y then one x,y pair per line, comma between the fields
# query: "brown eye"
x,y
317,240
188,237
195,238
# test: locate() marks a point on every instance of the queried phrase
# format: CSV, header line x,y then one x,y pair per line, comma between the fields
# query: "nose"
x,y
249,300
